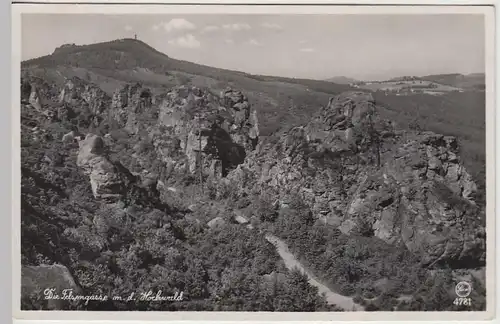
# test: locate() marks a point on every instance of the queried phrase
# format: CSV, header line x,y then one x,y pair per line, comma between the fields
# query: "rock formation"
x,y
77,91
129,102
35,99
360,175
113,182
105,178
198,131
354,170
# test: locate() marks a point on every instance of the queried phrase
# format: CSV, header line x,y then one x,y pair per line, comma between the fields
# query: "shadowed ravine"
x,y
346,303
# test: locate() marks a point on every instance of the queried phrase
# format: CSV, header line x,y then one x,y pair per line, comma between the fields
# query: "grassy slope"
x,y
341,80
470,81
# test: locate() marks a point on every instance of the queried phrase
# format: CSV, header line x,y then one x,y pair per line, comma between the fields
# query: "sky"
x,y
365,47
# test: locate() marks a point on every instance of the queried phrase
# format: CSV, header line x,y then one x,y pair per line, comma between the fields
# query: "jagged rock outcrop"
x,y
201,132
37,94
423,196
358,174
128,103
105,178
35,99
349,122
77,91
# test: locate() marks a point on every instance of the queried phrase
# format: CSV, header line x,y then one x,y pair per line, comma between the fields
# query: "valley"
x,y
134,163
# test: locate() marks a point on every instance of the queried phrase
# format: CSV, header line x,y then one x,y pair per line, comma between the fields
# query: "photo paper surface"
x,y
253,162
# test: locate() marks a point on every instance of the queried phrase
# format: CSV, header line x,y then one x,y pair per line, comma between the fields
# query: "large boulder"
x,y
105,178
405,188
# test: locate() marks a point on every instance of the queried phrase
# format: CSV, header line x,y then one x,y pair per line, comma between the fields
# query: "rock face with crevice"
x,y
191,130
77,91
359,174
354,169
202,132
128,103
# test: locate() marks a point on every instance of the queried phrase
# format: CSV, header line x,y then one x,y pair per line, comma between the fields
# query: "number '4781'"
x,y
460,301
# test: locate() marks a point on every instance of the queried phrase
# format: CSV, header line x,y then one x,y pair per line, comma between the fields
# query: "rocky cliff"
x,y
117,177
359,174
88,96
354,169
208,133
106,181
192,130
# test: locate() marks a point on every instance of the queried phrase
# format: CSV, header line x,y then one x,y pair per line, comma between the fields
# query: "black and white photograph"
x,y
254,162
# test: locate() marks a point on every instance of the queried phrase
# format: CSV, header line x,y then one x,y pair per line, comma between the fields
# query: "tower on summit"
x,y
135,36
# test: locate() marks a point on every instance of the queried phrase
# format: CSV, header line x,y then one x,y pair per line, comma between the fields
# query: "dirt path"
x,y
291,262
332,298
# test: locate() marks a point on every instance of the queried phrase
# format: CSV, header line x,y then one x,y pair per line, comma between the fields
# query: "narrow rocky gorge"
x,y
357,172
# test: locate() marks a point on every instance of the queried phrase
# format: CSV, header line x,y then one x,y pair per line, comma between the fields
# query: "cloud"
x,y
128,28
175,24
254,42
307,50
237,26
229,41
187,41
272,26
210,28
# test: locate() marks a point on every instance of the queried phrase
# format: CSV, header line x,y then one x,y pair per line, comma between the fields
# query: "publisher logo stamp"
x,y
463,289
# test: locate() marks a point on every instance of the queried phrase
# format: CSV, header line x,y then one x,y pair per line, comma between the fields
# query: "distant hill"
x,y
342,80
469,81
405,78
